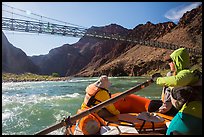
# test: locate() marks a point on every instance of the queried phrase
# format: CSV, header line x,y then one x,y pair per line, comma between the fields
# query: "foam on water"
x,y
35,103
6,115
76,80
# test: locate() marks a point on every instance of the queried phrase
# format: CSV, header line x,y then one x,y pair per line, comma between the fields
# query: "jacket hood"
x,y
181,59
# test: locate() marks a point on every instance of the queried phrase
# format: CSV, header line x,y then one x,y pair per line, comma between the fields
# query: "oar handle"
x,y
95,108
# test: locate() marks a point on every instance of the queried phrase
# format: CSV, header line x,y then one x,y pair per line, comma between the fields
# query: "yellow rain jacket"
x,y
99,95
183,77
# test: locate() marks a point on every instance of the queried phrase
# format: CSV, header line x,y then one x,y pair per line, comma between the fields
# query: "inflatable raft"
x,y
132,120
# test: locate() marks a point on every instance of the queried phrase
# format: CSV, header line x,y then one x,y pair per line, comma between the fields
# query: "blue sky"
x,y
87,14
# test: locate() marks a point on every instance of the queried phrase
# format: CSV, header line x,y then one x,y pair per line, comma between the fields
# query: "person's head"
x,y
178,60
181,59
103,82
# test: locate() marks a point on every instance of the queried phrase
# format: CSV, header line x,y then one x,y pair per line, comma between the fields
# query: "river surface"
x,y
29,107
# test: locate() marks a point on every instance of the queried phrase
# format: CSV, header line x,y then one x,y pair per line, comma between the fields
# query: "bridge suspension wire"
x,y
21,15
55,29
44,17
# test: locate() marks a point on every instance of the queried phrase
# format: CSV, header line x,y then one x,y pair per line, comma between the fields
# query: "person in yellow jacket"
x,y
188,121
98,92
163,105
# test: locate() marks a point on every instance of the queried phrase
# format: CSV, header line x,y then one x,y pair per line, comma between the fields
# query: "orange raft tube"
x,y
131,107
132,104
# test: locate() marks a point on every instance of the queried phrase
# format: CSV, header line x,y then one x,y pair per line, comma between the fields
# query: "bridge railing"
x,y
41,27
56,29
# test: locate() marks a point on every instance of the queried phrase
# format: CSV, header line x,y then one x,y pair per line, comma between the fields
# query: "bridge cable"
x,y
45,16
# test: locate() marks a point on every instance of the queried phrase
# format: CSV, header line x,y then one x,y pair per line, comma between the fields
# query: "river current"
x,y
29,107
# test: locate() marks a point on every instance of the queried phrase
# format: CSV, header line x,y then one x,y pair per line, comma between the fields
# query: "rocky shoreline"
x,y
30,80
28,77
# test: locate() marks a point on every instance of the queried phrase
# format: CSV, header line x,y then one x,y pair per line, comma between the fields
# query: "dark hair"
x,y
169,60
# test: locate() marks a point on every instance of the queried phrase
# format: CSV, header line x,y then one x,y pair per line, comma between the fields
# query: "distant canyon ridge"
x,y
94,56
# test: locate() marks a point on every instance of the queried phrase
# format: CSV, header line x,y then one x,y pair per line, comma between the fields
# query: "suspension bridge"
x,y
42,27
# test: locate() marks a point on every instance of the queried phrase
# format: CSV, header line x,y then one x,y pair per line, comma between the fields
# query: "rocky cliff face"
x,y
88,52
136,60
121,58
14,60
188,32
151,31
65,60
94,56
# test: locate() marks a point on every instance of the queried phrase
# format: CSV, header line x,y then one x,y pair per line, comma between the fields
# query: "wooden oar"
x,y
72,119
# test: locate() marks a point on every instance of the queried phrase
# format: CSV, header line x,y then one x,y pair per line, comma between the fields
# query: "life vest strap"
x,y
92,100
